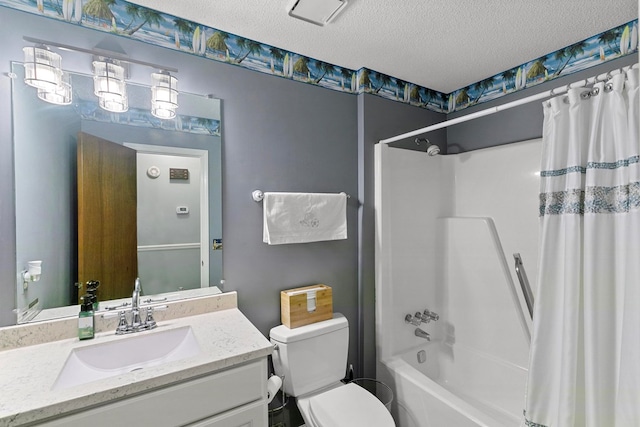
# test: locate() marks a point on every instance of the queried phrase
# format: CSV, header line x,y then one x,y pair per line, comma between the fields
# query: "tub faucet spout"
x,y
422,334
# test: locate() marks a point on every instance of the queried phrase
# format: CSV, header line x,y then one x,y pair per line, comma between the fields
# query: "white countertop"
x,y
27,374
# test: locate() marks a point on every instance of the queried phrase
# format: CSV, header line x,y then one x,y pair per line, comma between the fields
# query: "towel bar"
x,y
258,195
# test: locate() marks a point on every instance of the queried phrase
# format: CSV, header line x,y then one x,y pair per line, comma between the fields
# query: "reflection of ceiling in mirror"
x,y
89,110
87,106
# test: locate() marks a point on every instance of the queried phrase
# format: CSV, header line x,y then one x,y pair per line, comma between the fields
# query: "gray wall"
x,y
278,135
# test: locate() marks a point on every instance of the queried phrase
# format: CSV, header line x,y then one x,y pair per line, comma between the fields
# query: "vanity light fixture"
x,y
110,68
61,95
42,67
109,85
164,95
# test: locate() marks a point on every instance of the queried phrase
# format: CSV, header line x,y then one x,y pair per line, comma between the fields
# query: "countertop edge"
x,y
245,344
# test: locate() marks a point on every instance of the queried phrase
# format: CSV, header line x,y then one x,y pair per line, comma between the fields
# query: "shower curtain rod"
x,y
508,105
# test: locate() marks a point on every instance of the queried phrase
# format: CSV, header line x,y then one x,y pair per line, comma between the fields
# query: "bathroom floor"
x,y
288,416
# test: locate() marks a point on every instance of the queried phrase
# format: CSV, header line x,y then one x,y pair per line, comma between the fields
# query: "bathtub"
x,y
456,386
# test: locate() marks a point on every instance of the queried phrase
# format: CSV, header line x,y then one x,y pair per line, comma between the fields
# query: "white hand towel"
x,y
304,217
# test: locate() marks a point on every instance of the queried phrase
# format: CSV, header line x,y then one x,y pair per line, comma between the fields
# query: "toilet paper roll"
x,y
273,385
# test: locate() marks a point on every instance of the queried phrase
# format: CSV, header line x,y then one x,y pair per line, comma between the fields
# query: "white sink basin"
x,y
127,354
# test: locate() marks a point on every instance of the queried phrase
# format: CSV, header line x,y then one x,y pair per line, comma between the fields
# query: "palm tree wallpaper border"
x,y
160,29
611,44
88,109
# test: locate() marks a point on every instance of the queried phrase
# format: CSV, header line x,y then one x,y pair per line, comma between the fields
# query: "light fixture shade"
x,y
164,95
115,105
109,85
61,95
42,68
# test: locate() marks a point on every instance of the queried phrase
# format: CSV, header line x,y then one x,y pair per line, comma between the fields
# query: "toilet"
x,y
313,359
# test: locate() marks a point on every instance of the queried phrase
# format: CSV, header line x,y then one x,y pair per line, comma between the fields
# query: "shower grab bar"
x,y
524,283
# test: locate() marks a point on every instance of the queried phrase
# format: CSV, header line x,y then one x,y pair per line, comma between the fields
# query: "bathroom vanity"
x,y
204,365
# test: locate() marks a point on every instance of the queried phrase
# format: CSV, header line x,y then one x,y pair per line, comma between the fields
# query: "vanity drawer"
x,y
179,404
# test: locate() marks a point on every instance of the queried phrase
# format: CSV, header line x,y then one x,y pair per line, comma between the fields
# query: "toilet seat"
x,y
349,406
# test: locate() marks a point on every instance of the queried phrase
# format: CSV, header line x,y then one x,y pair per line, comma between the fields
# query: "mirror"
x,y
178,196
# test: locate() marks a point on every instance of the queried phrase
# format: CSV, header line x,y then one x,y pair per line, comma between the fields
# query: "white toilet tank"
x,y
311,357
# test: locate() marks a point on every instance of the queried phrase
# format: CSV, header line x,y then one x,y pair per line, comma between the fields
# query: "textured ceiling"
x,y
440,44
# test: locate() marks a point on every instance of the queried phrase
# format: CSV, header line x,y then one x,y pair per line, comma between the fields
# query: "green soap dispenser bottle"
x,y
85,319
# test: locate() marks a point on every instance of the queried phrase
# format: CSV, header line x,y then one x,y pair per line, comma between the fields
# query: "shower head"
x,y
432,149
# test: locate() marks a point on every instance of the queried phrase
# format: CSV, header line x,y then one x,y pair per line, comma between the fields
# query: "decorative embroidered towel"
x,y
303,217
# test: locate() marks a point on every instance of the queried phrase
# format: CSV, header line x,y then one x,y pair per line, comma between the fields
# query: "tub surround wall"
x,y
503,183
499,183
480,305
408,202
435,250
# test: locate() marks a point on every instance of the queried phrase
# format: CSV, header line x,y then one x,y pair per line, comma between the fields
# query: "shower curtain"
x,y
585,352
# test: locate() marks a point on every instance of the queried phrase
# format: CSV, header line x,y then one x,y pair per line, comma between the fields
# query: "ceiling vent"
x,y
319,12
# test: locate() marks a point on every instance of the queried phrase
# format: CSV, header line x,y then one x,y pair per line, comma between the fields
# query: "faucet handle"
x,y
115,307
150,321
123,326
423,318
431,315
415,321
151,300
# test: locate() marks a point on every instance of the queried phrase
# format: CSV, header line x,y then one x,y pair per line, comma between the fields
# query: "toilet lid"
x,y
349,406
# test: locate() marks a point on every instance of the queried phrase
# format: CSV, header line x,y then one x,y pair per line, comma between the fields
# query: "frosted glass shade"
x,y
42,68
164,95
115,105
109,85
61,95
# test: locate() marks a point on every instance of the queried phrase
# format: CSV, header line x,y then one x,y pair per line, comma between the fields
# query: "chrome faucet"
x,y
135,297
429,315
137,324
136,321
422,334
414,320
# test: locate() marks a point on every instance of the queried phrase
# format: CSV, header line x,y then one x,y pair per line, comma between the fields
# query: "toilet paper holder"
x,y
274,384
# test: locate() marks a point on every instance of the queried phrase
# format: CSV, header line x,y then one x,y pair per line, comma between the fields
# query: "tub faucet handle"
x,y
431,315
422,317
415,321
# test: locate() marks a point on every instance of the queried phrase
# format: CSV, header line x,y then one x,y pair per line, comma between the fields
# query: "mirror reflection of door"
x,y
107,217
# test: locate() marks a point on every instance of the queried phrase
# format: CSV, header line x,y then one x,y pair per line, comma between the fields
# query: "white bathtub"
x,y
455,387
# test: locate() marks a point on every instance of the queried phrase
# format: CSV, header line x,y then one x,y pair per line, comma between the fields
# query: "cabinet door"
x,y
181,404
253,415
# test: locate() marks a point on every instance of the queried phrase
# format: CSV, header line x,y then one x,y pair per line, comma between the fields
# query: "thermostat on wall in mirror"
x,y
178,173
153,172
